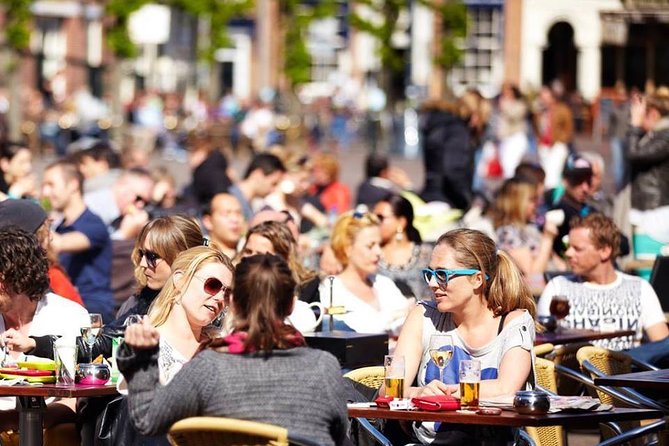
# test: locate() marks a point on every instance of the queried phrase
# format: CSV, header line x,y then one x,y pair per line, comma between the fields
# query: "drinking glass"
x,y
394,375
560,308
90,333
441,351
470,380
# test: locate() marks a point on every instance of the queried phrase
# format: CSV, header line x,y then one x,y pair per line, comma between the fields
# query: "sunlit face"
x,y
389,223
365,252
155,277
19,166
57,189
199,306
257,244
531,204
583,256
266,184
460,289
226,222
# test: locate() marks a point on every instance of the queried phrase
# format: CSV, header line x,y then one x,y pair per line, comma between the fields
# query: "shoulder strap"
x,y
501,323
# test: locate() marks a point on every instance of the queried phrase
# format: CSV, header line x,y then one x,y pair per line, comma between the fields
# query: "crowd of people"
x,y
215,286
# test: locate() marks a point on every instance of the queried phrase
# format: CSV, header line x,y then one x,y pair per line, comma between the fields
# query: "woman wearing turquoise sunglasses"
x,y
483,303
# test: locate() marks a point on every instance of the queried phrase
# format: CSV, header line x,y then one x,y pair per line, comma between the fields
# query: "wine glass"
x,y
90,332
441,351
560,308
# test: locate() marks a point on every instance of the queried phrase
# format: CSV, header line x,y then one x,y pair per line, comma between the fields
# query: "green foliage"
x,y
296,16
17,23
453,15
218,11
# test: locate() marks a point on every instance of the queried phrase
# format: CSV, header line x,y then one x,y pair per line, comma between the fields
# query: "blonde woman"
x,y
196,292
373,303
483,303
517,234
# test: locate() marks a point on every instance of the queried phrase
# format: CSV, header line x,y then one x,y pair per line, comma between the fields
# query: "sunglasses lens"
x,y
442,277
212,286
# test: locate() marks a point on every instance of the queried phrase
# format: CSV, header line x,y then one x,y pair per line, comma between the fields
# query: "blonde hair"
x,y
660,100
168,236
506,289
188,262
346,229
284,245
511,202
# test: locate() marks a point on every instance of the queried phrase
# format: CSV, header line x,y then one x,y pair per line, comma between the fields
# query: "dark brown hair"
x,y
23,264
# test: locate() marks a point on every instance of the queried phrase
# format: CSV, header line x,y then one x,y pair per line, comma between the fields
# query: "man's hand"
x,y
637,110
436,387
132,224
17,341
142,335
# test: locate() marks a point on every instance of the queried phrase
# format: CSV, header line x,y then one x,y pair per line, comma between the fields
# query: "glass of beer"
x,y
394,375
441,351
560,308
470,380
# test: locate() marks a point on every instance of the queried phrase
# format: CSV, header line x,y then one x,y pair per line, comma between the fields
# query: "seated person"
x,y
261,372
601,297
372,302
483,303
28,309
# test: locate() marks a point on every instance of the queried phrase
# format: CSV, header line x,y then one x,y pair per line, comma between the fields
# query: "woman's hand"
x,y
637,110
17,341
436,387
142,335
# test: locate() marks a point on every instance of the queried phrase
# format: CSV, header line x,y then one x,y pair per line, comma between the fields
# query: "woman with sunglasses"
x,y
263,371
482,301
403,250
371,301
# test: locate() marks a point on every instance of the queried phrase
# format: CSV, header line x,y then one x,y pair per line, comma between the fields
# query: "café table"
x,y
649,379
573,335
30,403
509,418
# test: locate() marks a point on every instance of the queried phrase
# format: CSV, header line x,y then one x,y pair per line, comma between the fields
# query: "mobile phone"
x,y
489,411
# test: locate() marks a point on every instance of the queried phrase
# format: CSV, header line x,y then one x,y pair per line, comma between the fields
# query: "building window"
x,y
481,64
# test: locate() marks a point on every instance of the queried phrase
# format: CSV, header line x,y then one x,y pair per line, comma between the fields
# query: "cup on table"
x,y
470,380
394,375
65,357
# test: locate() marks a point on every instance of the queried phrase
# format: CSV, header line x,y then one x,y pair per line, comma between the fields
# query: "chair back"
x,y
370,376
565,355
545,377
607,362
218,431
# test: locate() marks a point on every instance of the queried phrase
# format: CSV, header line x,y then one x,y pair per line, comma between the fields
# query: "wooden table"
x,y
508,417
573,335
651,379
31,406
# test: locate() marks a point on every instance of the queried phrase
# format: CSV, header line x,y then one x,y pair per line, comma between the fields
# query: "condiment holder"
x,y
531,402
92,374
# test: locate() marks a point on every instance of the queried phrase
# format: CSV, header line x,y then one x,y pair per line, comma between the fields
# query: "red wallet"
x,y
436,402
383,401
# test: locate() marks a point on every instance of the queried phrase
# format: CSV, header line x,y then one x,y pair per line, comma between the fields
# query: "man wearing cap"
x,y
577,181
29,216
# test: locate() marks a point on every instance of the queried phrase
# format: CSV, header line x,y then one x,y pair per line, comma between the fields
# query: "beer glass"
x,y
441,351
470,380
394,375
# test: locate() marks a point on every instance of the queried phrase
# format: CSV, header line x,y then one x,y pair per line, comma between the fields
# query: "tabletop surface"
x,y
578,335
52,390
651,379
509,417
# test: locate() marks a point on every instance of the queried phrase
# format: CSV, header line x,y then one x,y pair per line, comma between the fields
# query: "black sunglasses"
x,y
150,256
213,286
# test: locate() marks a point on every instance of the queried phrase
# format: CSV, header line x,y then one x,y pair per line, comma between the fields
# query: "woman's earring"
x,y
399,234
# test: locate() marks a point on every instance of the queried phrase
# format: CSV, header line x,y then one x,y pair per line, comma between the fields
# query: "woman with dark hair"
x,y
402,249
16,177
261,372
483,303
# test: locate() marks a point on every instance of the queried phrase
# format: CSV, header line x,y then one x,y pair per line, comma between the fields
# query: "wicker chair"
x,y
549,435
215,431
371,377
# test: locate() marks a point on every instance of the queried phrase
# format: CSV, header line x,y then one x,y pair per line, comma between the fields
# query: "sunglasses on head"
x,y
150,256
212,286
442,276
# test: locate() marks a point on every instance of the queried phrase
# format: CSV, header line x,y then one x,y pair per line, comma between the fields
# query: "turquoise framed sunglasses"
x,y
442,276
